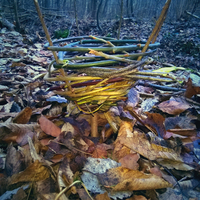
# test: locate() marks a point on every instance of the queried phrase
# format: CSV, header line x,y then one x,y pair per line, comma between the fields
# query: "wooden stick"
x,y
94,125
44,27
157,27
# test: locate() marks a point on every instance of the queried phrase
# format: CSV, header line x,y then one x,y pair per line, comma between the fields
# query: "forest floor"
x,y
180,40
148,144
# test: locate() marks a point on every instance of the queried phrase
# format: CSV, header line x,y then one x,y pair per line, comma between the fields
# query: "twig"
x,y
165,88
75,182
189,13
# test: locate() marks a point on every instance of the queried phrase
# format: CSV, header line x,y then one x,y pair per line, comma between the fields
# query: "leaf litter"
x,y
143,151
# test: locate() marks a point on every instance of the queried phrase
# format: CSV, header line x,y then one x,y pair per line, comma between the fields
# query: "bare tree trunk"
x,y
76,17
16,15
98,11
94,9
121,18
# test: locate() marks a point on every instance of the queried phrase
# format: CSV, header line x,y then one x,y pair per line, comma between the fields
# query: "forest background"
x,y
87,9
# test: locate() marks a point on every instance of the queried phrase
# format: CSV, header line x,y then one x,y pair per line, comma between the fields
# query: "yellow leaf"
x,y
168,69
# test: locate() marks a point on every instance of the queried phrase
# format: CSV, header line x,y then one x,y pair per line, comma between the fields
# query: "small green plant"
x,y
62,33
108,35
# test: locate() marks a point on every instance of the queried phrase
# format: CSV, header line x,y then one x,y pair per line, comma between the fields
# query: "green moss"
x,y
62,33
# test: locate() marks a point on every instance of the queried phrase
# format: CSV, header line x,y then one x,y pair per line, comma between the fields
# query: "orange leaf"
x,y
49,127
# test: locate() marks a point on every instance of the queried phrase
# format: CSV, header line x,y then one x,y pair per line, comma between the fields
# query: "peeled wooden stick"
x,y
44,27
157,27
94,125
97,53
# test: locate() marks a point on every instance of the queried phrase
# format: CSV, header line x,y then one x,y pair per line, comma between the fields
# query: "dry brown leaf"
x,y
34,172
155,170
191,90
133,98
47,189
5,114
100,152
20,195
49,127
156,121
83,194
123,179
183,132
11,132
180,122
14,161
65,174
138,142
24,116
121,149
137,197
173,106
16,64
103,196
130,161
173,164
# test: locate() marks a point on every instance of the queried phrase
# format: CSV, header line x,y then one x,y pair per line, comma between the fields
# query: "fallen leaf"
x,y
156,171
100,152
14,162
190,89
24,116
34,172
123,179
156,121
11,132
183,132
133,98
137,197
137,141
179,122
103,196
173,106
19,195
49,127
14,64
130,161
